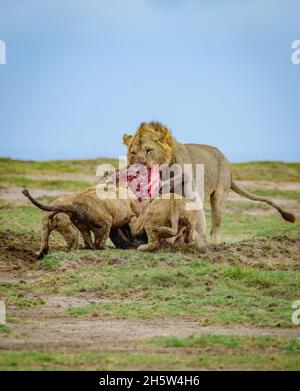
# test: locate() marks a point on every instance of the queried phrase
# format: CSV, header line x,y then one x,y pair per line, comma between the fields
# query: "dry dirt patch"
x,y
94,334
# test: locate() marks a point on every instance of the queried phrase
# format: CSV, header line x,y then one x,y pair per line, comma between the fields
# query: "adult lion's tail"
x,y
286,215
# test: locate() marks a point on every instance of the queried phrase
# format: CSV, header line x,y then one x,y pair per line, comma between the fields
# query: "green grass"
x,y
23,167
234,301
238,225
267,171
164,284
19,294
4,329
21,219
48,184
283,345
149,286
26,302
204,352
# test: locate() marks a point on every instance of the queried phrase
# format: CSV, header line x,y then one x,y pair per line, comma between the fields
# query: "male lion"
x,y
95,210
153,143
165,218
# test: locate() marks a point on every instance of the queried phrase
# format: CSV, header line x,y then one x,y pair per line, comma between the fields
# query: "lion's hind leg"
x,y
101,236
70,234
166,232
153,240
66,229
218,201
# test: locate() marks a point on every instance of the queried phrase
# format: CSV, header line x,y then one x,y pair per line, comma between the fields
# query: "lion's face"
x,y
152,143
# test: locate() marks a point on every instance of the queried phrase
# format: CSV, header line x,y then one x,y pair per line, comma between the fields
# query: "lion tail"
x,y
285,215
68,209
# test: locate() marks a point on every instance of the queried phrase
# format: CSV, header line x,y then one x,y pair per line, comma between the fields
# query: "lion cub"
x,y
97,210
59,222
165,218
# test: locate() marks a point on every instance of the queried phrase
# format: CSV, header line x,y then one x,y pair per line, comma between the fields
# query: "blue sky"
x,y
80,73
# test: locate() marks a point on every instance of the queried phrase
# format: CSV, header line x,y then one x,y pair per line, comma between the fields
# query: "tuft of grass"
x,y
19,294
28,302
4,329
52,261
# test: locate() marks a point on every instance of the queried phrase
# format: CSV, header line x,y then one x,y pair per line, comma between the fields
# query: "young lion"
x,y
164,218
96,210
59,222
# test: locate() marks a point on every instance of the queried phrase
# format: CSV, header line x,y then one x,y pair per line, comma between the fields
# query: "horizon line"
x,y
116,158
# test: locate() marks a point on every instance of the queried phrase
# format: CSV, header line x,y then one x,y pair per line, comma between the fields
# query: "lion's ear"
x,y
127,139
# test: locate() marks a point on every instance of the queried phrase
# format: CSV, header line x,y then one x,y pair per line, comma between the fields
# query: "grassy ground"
x,y
248,282
208,351
267,171
65,185
26,167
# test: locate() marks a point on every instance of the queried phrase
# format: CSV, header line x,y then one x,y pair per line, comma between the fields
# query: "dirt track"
x,y
40,331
